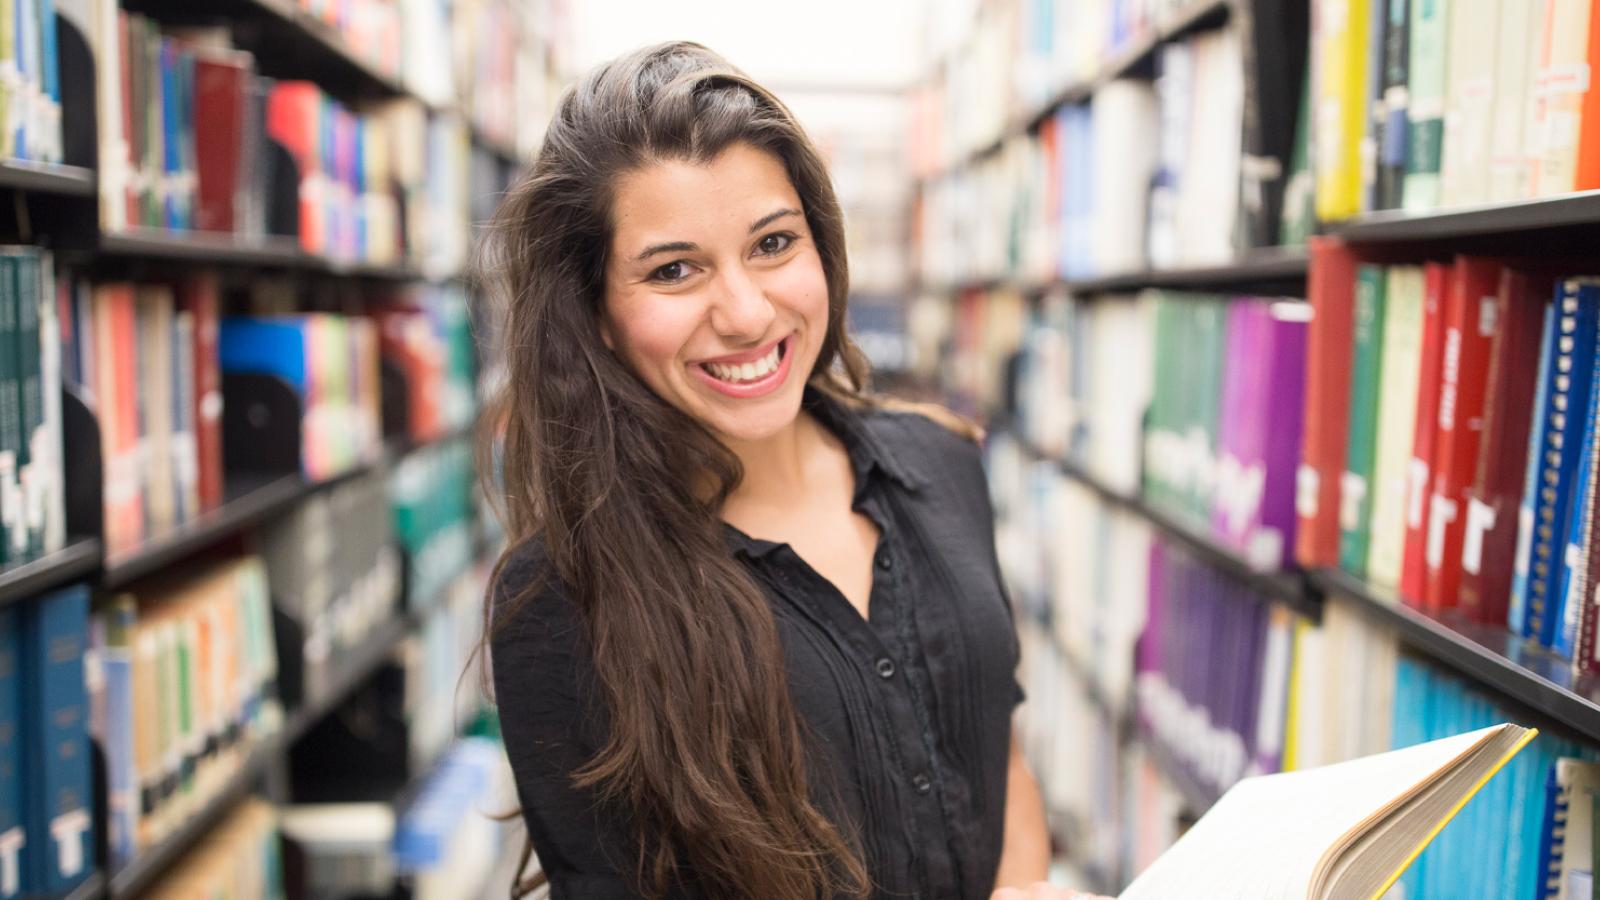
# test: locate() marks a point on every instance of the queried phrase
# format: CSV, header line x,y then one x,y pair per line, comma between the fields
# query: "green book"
x,y
1299,192
1427,85
24,282
1366,383
1159,430
13,523
1209,339
1397,411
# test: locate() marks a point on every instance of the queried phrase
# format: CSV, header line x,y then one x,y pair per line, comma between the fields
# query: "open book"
x,y
1346,830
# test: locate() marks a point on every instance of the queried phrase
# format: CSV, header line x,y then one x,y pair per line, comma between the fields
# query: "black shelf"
x,y
360,665
214,248
140,874
74,562
1265,270
1570,211
92,888
1286,587
1279,267
250,499
45,178
1491,656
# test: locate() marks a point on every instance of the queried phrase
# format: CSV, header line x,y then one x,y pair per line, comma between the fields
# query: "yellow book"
x,y
1341,36
1342,831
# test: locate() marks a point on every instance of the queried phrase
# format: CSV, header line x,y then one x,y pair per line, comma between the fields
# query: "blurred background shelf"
x,y
78,560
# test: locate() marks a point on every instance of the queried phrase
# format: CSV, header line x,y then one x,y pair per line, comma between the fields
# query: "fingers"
x,y
1042,891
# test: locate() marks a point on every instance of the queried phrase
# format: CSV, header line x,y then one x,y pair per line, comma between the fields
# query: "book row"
x,y
1430,104
1216,682
151,359
30,82
1185,169
240,859
1449,437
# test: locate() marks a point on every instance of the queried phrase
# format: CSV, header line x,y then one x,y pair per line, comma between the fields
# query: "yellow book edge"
x,y
1460,804
1291,719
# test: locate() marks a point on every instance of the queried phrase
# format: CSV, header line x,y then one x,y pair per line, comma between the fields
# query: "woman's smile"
x,y
752,374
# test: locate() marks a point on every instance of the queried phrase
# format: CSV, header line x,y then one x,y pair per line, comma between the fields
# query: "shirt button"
x,y
922,783
885,562
886,667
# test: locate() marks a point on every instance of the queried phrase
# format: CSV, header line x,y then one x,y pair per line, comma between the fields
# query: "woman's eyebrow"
x,y
771,217
672,247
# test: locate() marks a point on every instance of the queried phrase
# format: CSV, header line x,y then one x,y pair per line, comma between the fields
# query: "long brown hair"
x,y
705,750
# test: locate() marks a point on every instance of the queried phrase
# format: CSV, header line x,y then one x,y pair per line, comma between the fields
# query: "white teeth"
x,y
743,372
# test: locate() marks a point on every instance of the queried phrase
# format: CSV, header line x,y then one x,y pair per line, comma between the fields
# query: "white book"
x,y
1345,830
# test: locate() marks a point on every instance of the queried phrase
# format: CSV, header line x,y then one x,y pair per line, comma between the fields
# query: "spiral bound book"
x,y
1345,830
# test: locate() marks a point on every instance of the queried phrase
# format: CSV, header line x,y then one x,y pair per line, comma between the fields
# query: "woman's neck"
x,y
777,469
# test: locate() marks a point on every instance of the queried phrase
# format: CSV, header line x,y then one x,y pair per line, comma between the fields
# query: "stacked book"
x,y
183,679
1449,438
32,484
1422,105
332,586
331,363
434,519
427,337
144,356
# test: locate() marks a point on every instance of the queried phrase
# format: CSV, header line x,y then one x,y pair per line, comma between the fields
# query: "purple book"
x,y
1261,512
1150,654
1236,441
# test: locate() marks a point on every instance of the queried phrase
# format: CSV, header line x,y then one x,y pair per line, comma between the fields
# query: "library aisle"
x,y
1281,318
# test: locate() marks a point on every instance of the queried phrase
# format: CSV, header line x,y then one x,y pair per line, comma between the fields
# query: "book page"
x,y
1265,837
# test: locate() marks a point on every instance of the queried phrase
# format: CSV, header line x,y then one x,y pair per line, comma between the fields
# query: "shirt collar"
x,y
869,456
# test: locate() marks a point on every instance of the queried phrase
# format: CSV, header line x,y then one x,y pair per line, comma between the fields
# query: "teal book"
x,y
13,524
58,775
1366,385
13,833
33,456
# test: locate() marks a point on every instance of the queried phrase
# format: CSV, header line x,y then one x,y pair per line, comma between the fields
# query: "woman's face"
x,y
714,292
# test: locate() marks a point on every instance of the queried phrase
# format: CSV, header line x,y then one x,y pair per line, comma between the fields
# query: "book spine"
x,y
1396,100
1488,546
1538,436
13,830
1552,841
1469,328
1515,86
122,778
35,457
183,463
59,778
1563,82
1342,35
13,527
51,304
1355,510
1566,397
1426,73
1397,404
1330,283
1424,438
1574,574
1279,424
1374,110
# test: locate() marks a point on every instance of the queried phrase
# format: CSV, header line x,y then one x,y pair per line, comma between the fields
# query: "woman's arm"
x,y
1025,855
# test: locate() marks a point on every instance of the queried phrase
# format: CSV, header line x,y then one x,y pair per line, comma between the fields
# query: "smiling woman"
x,y
750,639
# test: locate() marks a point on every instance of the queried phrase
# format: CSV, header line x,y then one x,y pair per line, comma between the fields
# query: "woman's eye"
x,y
775,243
671,273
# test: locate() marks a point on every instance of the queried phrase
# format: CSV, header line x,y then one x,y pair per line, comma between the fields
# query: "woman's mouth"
x,y
751,377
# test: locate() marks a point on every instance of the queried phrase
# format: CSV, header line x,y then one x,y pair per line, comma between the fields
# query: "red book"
x,y
116,396
1488,550
220,80
1419,475
197,295
1469,326
294,114
1331,292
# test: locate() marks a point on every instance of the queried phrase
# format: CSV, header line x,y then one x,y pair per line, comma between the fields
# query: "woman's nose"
x,y
742,309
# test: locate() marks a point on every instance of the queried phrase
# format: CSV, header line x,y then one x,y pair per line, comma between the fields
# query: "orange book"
x,y
1330,286
294,112
116,396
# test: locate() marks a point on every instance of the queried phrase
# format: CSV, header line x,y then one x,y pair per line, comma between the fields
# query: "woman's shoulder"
x,y
532,614
927,437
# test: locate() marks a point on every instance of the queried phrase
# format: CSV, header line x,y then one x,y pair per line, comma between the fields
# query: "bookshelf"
x,y
75,562
264,423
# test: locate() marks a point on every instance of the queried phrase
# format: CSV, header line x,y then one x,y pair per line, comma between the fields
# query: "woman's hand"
x,y
1044,890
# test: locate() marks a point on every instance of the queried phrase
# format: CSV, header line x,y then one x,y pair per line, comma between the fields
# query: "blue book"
x,y
273,346
121,617
172,126
1572,569
1517,616
13,834
27,67
1555,812
58,774
1567,394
